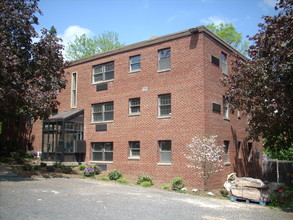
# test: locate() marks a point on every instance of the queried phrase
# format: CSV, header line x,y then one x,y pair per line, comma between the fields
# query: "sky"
x,y
138,20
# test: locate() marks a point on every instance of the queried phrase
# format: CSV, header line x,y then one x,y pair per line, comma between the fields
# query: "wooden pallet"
x,y
238,199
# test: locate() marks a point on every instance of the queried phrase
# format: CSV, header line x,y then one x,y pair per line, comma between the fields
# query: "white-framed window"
x,y
103,112
135,63
224,63
134,149
134,106
226,151
165,151
103,72
225,108
164,61
164,105
74,90
102,151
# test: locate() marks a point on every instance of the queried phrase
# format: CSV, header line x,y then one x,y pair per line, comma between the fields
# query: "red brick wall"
x,y
193,83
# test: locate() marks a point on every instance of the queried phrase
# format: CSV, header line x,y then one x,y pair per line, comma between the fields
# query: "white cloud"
x,y
171,19
215,19
71,32
270,3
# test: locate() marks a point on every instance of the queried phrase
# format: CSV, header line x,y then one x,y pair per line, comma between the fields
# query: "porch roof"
x,y
66,114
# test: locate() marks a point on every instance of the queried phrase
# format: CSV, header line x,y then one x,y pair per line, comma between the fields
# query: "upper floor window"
x,y
164,59
224,63
102,112
165,151
165,105
74,90
134,106
135,63
102,151
103,72
225,108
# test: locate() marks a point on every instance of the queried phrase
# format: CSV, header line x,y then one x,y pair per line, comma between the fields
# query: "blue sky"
x,y
138,20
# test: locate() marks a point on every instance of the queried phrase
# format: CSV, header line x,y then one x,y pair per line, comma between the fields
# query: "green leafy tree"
x,y
31,73
84,46
263,85
228,33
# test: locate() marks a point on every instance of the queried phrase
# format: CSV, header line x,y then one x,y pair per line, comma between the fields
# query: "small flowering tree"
x,y
204,156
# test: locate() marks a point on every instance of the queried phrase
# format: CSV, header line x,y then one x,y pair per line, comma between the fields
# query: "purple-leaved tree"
x,y
204,156
31,66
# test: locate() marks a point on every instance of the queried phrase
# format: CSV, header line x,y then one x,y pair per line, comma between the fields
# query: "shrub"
x,y
115,175
97,169
145,184
105,178
58,165
89,172
30,154
27,167
224,192
36,167
177,183
66,169
144,178
122,180
81,167
166,187
50,168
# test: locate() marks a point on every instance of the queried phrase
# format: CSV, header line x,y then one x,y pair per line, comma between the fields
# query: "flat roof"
x,y
199,29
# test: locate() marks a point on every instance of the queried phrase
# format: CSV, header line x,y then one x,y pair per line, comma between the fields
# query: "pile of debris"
x,y
247,188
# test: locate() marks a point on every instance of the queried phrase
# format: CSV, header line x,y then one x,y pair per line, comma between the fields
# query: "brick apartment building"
x,y
135,108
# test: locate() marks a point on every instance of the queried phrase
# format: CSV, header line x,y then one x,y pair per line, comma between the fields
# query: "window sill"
x,y
227,164
133,158
101,82
164,117
101,122
162,71
133,115
134,71
101,162
164,164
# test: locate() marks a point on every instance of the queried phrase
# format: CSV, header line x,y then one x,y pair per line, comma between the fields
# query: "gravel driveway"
x,y
62,198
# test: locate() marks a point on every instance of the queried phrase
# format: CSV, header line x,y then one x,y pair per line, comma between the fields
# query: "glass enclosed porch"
x,y
62,139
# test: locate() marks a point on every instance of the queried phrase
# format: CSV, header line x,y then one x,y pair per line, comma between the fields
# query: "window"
x,y
215,61
226,151
165,151
103,72
165,105
225,108
224,63
135,63
73,90
238,149
134,147
134,106
102,112
102,151
249,153
164,59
